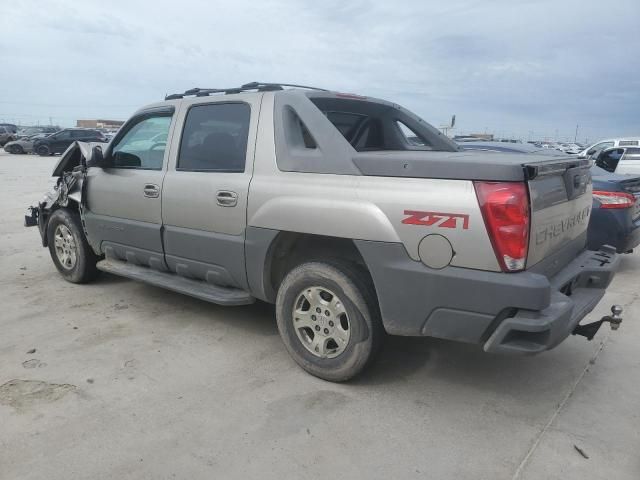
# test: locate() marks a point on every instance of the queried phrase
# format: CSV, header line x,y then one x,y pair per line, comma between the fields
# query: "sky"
x,y
530,69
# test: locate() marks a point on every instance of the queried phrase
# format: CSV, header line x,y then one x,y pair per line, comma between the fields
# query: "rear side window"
x,y
371,126
63,135
628,143
632,154
214,138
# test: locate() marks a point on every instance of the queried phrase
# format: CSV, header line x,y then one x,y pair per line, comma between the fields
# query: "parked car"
x,y
570,148
615,219
615,215
60,141
30,131
608,143
320,202
6,135
10,126
24,144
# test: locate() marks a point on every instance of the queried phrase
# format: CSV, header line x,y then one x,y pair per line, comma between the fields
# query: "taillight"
x,y
614,199
505,209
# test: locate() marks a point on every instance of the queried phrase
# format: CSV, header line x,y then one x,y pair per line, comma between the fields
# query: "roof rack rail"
x,y
259,86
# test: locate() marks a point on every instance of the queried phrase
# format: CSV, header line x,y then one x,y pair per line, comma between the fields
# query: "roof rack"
x,y
259,86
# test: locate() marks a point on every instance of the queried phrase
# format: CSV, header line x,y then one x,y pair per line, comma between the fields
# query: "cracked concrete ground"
x,y
129,381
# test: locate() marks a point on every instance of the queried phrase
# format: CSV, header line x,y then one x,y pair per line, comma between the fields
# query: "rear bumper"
x,y
576,290
522,312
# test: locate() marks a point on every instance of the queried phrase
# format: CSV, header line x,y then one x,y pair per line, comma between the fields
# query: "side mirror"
x,y
97,158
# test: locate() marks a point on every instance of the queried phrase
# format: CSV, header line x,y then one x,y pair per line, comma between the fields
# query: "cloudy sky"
x,y
524,68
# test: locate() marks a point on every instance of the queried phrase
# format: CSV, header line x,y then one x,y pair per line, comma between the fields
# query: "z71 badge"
x,y
436,219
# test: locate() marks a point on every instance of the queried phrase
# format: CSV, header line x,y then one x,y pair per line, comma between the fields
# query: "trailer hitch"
x,y
590,329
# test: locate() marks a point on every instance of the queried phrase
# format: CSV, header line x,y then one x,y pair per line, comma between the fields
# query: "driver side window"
x,y
143,146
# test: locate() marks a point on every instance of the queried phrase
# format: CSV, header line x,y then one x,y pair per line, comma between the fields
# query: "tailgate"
x,y
560,194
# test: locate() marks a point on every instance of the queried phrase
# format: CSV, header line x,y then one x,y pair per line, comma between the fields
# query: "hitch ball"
x,y
616,317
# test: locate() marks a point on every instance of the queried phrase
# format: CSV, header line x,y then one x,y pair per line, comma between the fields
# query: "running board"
x,y
171,281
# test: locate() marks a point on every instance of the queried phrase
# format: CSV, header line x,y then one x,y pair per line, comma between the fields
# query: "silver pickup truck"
x,y
351,214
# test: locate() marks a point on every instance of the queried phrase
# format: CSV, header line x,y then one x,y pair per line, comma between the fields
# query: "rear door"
x,y
123,211
630,162
60,141
204,199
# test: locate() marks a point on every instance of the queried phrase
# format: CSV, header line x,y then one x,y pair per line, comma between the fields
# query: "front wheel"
x,y
328,319
16,149
70,252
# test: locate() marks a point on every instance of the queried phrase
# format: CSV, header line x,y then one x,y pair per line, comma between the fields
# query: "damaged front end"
x,y
69,187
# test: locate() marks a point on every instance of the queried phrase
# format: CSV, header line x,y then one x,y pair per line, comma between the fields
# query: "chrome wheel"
x,y
65,245
321,322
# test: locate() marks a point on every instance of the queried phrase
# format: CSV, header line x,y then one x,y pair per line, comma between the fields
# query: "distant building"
x,y
99,123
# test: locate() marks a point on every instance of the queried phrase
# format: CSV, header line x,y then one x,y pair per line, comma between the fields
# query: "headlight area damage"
x,y
69,187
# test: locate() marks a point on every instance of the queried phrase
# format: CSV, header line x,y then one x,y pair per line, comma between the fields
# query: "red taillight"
x,y
505,209
614,199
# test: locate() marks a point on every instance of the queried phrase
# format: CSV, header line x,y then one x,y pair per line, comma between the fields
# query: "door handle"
x,y
226,198
151,190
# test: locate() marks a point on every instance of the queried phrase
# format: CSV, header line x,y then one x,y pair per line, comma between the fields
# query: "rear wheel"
x,y
328,319
16,149
70,252
43,150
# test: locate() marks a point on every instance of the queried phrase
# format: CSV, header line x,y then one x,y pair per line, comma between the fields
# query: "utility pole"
x,y
575,138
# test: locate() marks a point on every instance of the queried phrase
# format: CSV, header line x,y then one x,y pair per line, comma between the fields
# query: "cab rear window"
x,y
372,126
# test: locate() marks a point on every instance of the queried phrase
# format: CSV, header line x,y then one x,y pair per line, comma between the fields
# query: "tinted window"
x,y
374,126
214,138
141,146
80,134
346,122
609,160
63,135
628,143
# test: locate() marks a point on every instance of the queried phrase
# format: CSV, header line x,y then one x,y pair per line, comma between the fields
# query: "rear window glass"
x,y
373,126
628,143
410,136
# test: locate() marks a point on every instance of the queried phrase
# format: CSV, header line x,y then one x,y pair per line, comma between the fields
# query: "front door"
x,y
123,202
204,199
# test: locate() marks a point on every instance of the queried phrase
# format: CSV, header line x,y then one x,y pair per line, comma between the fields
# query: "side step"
x,y
171,281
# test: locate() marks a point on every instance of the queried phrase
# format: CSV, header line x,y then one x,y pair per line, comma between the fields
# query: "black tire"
x,y
358,298
83,269
16,149
43,150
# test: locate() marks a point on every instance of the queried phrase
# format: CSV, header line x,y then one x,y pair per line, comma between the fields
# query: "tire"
x,y
43,150
340,287
65,234
16,149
